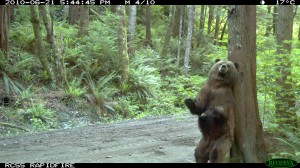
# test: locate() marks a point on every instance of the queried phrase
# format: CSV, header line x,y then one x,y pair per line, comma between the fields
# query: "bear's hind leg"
x,y
220,149
201,151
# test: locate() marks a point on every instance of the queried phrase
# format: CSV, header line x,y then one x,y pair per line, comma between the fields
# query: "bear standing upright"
x,y
214,104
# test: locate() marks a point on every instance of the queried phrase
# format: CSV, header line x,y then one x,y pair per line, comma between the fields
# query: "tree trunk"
x,y
249,143
113,8
217,25
122,44
285,97
179,37
131,30
275,13
176,24
168,34
210,18
201,26
148,26
269,26
73,14
184,17
36,23
191,9
83,20
4,25
52,42
223,30
66,10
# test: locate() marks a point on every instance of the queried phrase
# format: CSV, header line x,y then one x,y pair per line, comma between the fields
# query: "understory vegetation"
x,y
91,92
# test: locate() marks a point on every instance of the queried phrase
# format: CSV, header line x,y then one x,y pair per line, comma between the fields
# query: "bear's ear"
x,y
236,65
217,60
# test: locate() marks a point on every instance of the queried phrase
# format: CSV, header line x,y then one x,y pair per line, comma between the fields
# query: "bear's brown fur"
x,y
214,105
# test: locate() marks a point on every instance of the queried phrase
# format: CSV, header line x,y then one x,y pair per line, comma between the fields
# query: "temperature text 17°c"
x,y
285,2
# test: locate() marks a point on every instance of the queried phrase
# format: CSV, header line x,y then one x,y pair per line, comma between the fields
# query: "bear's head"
x,y
223,72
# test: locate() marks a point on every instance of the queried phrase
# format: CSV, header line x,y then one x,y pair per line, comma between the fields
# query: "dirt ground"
x,y
170,139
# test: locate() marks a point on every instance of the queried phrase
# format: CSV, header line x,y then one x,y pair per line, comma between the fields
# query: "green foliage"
x,y
94,54
11,86
26,95
143,82
143,78
155,86
74,89
102,92
291,140
41,118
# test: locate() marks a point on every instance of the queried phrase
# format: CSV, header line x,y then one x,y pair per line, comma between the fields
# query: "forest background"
x,y
69,66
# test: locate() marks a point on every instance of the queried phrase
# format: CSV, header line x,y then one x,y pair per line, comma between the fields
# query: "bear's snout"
x,y
223,68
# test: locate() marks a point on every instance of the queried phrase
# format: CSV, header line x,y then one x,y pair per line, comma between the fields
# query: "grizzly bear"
x,y
214,105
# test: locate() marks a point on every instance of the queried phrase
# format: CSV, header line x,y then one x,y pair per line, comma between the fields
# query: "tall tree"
x,y
168,33
249,143
83,20
131,29
191,9
269,26
73,14
122,44
216,37
201,25
211,14
285,97
4,26
36,23
178,10
275,13
148,25
223,30
179,37
56,53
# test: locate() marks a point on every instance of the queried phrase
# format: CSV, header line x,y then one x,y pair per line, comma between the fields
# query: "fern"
x,y
102,92
11,86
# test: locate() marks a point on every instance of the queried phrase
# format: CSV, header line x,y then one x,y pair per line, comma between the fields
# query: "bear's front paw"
x,y
190,103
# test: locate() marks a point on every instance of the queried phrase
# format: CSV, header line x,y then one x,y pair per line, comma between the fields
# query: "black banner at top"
x,y
148,2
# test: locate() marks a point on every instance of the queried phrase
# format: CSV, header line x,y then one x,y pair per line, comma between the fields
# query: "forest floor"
x,y
164,139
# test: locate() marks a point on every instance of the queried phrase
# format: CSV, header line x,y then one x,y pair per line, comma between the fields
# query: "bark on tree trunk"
x,y
73,14
131,30
191,9
216,37
52,42
285,97
275,13
223,30
36,23
210,18
201,26
249,143
122,43
4,24
168,34
148,26
177,20
83,20
179,38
